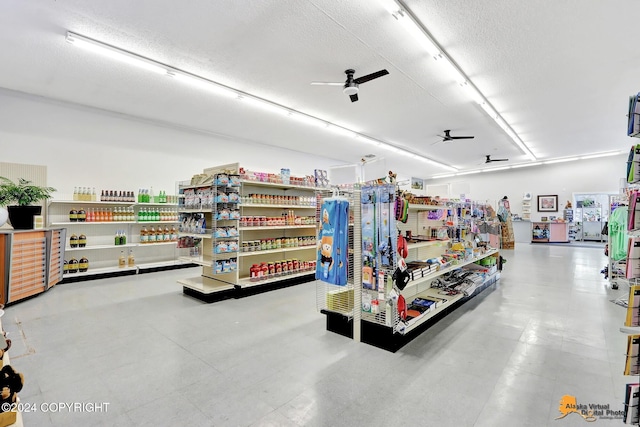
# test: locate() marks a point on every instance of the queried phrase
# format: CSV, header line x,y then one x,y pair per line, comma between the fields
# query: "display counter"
x,y
549,232
31,261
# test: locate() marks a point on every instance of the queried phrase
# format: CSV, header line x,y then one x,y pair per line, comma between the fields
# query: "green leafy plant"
x,y
22,193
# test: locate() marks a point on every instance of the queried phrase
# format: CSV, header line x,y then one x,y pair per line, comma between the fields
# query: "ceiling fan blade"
x,y
499,160
371,76
327,84
460,137
354,97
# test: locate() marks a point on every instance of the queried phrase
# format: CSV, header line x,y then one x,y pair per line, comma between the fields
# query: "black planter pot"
x,y
21,217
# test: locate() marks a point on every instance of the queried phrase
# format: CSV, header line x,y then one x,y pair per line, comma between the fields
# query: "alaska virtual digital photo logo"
x,y
590,413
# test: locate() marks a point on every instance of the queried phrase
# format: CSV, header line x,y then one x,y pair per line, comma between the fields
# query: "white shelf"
x,y
427,207
200,260
426,244
281,227
91,202
93,222
173,205
415,283
246,282
276,251
98,247
197,283
276,185
251,205
630,330
157,222
152,245
434,292
200,236
103,270
191,210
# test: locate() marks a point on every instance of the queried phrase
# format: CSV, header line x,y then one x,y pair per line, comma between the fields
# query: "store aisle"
x,y
159,358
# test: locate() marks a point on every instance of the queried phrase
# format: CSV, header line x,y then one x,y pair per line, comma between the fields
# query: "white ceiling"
x,y
560,73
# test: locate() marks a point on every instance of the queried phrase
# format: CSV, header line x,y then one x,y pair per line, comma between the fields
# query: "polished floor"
x,y
159,358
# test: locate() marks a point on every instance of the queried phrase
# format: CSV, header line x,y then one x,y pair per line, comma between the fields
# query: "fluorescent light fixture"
x,y
451,69
496,169
468,172
369,140
115,53
341,131
474,93
263,105
392,148
595,156
205,84
568,159
308,120
489,110
525,165
410,24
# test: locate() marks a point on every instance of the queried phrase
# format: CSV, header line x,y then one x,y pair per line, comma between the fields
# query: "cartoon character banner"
x,y
333,242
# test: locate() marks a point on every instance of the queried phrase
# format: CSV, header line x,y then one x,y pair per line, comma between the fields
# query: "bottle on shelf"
x,y
75,193
82,241
144,235
83,265
174,234
73,215
82,215
73,241
152,235
167,234
131,261
73,265
93,194
122,262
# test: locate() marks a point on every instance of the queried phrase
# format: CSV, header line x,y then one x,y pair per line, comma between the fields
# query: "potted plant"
x,y
24,195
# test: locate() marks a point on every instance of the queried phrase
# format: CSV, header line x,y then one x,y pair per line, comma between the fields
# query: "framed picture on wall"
x,y
548,203
417,183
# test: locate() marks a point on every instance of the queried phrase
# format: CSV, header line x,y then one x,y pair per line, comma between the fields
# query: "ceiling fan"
x,y
351,85
447,137
490,160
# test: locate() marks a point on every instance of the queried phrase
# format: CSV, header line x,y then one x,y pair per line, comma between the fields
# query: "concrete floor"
x,y
159,358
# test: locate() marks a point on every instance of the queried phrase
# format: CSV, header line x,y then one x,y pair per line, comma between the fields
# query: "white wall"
x,y
89,147
601,175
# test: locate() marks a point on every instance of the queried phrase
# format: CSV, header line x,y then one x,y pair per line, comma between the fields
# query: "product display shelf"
x,y
392,336
256,205
247,282
276,251
418,207
129,270
100,250
415,287
246,182
427,243
218,283
416,322
202,260
279,227
99,247
195,235
91,202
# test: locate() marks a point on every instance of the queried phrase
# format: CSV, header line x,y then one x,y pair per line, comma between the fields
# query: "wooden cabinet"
x,y
31,261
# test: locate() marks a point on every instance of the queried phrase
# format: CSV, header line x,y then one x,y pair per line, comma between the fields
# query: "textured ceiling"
x,y
558,72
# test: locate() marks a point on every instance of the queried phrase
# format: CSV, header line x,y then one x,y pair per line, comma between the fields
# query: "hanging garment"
x,y
617,229
333,242
369,241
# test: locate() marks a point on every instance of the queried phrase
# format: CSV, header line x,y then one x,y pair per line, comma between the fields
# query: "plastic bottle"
x,y
122,262
167,234
73,215
73,265
131,262
75,193
73,241
152,235
82,241
93,194
144,235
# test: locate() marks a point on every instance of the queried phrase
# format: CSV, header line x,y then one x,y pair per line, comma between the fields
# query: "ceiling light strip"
x,y
409,21
217,88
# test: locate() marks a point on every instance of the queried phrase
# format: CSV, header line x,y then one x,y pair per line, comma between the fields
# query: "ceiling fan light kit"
x,y
351,86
